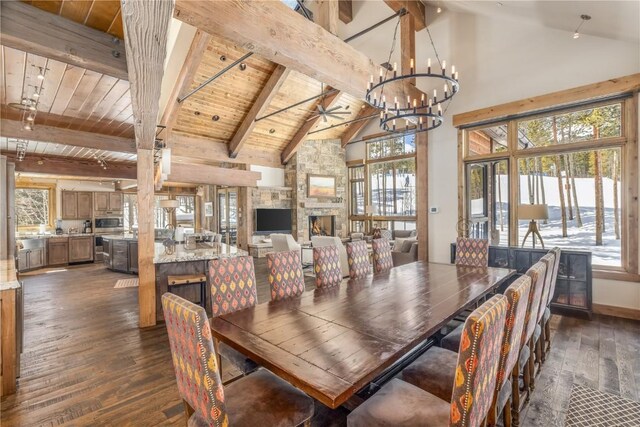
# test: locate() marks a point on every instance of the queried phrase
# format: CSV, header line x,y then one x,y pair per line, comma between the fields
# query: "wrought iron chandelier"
x,y
423,114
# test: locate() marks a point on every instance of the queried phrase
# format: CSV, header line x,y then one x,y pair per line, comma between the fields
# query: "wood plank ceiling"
x,y
231,96
80,99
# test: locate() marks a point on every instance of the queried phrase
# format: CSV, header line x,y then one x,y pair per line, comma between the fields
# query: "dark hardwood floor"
x,y
85,361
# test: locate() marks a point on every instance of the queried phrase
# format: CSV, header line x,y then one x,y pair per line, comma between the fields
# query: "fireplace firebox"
x,y
322,225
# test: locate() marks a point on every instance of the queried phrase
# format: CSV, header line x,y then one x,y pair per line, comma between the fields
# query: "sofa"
x,y
319,241
405,247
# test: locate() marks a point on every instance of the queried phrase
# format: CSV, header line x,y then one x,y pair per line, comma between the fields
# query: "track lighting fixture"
x,y
583,19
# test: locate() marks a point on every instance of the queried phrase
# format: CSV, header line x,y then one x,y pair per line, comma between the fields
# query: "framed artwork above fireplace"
x,y
321,186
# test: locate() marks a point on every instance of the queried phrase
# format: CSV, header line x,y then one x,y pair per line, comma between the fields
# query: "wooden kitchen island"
x,y
183,262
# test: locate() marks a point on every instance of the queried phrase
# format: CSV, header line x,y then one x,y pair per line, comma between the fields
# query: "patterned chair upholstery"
x,y
472,393
472,252
285,274
526,360
194,359
358,258
539,338
547,310
233,288
326,264
206,401
382,260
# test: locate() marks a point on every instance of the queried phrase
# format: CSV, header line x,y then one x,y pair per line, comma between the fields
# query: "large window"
x,y
34,206
382,191
571,162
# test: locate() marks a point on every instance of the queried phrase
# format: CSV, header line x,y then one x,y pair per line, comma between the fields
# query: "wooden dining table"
x,y
332,342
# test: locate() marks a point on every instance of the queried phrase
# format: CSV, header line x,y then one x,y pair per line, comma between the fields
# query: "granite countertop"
x,y
204,252
48,236
128,237
8,278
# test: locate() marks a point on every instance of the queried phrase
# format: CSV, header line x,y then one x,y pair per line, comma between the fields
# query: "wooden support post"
x,y
407,45
146,24
415,8
8,349
422,194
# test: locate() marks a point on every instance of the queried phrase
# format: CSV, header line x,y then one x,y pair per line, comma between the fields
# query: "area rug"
x,y
126,283
592,408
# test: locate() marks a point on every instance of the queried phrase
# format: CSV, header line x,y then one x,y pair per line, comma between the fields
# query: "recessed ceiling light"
x,y
197,113
223,58
439,10
243,66
272,130
215,118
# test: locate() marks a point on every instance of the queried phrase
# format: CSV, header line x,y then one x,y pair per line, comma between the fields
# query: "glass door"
x,y
228,214
488,201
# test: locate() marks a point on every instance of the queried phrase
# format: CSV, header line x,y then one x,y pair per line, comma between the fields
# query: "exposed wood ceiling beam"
x,y
301,135
185,78
146,24
327,15
287,38
35,31
61,165
188,146
415,9
44,133
258,108
354,128
346,11
212,175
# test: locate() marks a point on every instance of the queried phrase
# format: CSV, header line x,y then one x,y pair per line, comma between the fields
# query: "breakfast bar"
x,y
183,262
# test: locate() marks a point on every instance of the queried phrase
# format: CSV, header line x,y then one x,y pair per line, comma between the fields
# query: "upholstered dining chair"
x,y
260,398
400,403
431,371
472,252
233,288
539,338
326,265
285,274
358,259
546,317
382,260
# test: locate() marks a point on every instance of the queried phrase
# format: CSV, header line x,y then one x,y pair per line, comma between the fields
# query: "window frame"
x,y
52,204
627,143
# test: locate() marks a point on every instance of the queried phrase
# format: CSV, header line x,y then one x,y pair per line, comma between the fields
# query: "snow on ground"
x,y
581,238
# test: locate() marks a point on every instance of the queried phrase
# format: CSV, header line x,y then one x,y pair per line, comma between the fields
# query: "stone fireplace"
x,y
322,225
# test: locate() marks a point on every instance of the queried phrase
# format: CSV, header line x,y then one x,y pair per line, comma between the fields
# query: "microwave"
x,y
108,223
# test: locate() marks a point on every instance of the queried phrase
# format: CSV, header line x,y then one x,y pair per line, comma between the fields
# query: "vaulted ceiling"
x,y
79,99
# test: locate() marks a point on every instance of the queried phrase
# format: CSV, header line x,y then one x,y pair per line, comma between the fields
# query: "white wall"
x,y
501,61
271,177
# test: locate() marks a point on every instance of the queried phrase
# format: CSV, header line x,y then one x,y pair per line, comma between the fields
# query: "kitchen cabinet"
x,y
57,251
32,254
69,205
81,248
106,252
133,257
107,203
77,204
120,255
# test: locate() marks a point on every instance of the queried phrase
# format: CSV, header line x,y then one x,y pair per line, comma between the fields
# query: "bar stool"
x,y
190,279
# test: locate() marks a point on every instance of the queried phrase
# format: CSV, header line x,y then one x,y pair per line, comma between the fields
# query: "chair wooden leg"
x,y
506,414
492,416
542,344
532,367
188,411
515,396
527,380
547,334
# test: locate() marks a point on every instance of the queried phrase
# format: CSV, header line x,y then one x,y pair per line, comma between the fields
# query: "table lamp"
x,y
533,212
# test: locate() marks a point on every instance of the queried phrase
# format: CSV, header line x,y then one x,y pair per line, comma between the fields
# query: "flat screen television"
x,y
273,220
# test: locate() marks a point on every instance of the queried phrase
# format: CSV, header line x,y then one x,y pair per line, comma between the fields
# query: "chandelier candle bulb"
x,y
411,66
429,66
453,70
408,101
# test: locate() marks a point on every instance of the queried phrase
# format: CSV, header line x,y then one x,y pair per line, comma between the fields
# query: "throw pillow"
x,y
406,245
397,246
